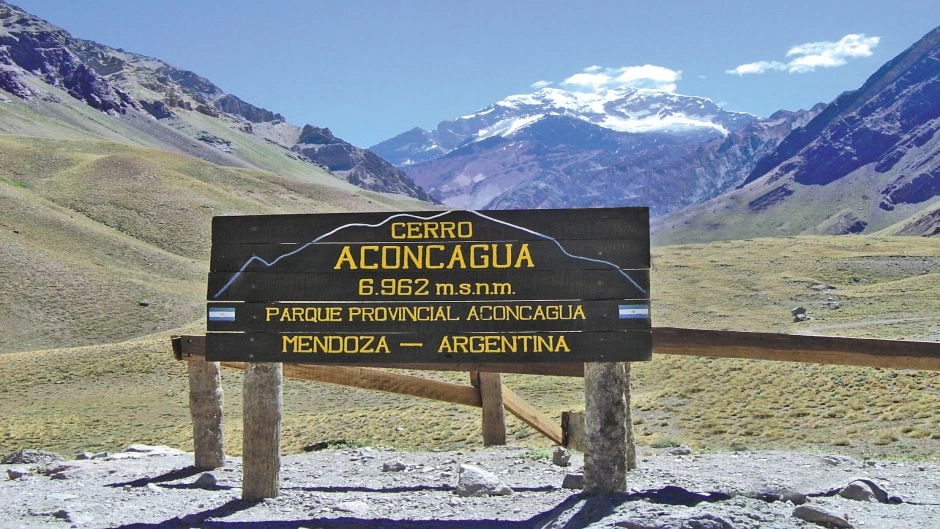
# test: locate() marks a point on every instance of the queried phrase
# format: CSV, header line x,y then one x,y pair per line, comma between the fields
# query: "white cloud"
x,y
538,85
757,67
807,57
595,78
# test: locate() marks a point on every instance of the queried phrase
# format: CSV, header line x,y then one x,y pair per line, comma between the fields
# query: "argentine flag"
x,y
222,314
633,311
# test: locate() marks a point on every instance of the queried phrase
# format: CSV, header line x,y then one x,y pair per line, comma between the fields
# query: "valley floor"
x,y
152,487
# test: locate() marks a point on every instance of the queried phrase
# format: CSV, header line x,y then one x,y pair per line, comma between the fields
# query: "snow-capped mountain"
x,y
554,148
632,110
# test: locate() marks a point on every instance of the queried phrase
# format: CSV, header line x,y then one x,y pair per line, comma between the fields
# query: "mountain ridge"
x,y
622,147
869,163
36,56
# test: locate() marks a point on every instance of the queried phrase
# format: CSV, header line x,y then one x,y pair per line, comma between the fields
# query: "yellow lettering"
x,y
270,311
398,231
499,344
524,256
345,256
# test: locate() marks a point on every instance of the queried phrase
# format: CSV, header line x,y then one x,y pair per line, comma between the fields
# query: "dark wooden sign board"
x,y
431,287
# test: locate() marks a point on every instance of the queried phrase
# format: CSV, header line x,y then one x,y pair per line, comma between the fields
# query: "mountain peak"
x,y
619,110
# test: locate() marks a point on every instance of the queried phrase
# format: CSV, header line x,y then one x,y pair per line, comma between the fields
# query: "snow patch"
x,y
507,127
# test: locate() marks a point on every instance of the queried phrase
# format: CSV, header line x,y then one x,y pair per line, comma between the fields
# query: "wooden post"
x,y
261,449
205,407
572,428
490,386
605,428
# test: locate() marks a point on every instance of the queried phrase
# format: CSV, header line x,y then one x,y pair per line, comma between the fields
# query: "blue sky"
x,y
370,70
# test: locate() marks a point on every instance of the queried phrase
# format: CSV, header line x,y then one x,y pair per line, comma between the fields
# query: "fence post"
x,y
205,408
606,415
261,448
490,386
631,442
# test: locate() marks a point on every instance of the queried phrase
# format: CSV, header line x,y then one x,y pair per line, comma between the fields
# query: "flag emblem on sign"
x,y
633,311
222,314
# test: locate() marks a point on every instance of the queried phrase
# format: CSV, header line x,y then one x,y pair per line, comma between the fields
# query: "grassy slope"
x,y
808,211
90,228
102,397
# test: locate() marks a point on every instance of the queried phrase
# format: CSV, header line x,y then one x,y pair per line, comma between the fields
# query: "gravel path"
x,y
150,487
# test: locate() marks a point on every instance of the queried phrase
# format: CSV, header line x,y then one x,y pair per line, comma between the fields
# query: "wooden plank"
x,y
410,285
261,439
510,255
404,348
381,380
528,414
490,386
472,316
486,225
892,354
192,347
889,354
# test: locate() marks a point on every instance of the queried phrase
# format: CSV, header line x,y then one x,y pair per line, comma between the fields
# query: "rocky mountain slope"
x,y
152,103
111,167
554,148
870,161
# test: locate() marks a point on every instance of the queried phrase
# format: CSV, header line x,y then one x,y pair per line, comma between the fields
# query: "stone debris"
x,y
858,491
819,287
152,450
393,466
681,450
31,457
864,489
206,481
703,521
773,494
346,488
474,481
561,456
796,311
357,507
91,455
16,473
820,516
573,481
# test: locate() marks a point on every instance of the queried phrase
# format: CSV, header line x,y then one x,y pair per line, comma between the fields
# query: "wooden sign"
x,y
429,287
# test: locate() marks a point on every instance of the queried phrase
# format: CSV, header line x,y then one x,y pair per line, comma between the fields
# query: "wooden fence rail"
x,y
263,401
891,354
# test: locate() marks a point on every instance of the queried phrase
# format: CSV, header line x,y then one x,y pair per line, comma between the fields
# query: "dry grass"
x,y
89,229
103,397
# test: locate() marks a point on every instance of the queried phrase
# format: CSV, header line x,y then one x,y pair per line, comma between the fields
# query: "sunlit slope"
x,y
92,231
775,209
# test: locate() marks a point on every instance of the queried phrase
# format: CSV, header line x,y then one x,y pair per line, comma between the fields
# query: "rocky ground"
x,y
494,488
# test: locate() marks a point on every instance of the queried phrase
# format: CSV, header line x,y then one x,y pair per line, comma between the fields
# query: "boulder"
x,y
474,481
820,516
561,456
31,457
